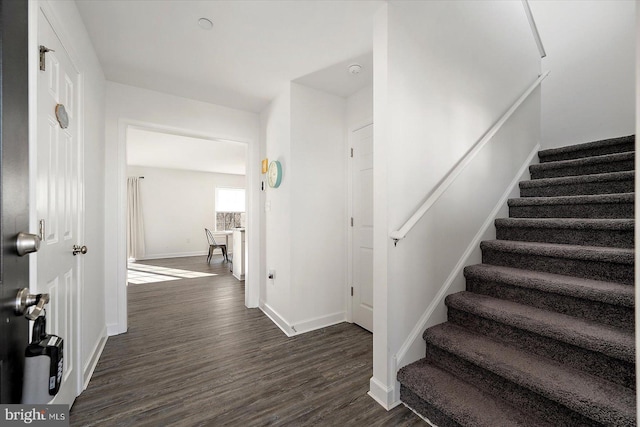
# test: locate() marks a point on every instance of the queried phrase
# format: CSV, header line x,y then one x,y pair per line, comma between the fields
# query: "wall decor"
x,y
275,174
61,115
265,165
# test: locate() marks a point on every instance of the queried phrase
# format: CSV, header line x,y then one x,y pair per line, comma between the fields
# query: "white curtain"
x,y
135,222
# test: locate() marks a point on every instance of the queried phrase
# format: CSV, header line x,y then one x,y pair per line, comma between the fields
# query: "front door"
x,y
57,203
362,207
14,193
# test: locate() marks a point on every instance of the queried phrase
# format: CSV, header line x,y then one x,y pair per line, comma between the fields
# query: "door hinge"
x,y
43,51
352,152
352,221
352,291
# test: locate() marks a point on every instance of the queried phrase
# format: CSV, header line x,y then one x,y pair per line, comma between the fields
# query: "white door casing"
x,y
58,189
362,230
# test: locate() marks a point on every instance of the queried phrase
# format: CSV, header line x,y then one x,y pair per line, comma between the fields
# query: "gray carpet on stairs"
x,y
544,334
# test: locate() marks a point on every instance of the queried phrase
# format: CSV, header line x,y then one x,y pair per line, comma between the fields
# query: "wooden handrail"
x,y
462,163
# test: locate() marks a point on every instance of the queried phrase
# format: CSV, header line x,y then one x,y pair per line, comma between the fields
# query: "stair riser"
x,y
516,395
585,237
592,210
618,316
598,151
582,189
614,166
597,270
425,409
595,363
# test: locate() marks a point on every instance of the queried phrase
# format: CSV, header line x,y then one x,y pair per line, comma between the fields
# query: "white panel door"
x,y
362,208
57,203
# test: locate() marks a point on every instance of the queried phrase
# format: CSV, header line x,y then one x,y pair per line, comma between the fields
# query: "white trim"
x,y
349,179
462,163
534,28
92,360
173,255
318,323
422,324
420,415
303,326
276,318
382,394
252,285
113,329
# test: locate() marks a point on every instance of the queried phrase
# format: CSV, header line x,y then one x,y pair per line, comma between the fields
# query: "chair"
x,y
214,245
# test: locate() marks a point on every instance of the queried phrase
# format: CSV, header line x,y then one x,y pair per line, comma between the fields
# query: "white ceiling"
x,y
254,49
161,150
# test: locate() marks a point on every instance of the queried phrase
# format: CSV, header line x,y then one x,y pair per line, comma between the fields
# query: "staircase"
x,y
544,334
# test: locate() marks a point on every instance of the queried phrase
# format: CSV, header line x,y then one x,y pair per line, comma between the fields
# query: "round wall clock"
x,y
274,176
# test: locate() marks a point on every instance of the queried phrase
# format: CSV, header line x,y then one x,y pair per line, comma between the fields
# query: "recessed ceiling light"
x,y
205,23
355,68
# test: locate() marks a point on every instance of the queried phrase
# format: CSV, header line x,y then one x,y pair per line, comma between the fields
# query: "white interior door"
x,y
362,208
57,203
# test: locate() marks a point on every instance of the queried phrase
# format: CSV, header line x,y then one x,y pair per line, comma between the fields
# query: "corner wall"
x,y
304,129
590,47
444,73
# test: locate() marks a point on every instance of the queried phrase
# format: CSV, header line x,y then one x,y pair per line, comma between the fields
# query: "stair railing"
x,y
402,232
534,28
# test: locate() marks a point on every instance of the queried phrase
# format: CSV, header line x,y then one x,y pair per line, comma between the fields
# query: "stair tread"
x,y
585,146
579,179
582,199
588,334
584,161
594,290
459,400
557,250
623,224
596,398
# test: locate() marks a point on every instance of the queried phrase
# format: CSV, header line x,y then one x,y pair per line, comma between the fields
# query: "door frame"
x,y
66,41
350,142
251,278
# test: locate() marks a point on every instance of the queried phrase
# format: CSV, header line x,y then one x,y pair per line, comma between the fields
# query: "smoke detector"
x,y
355,69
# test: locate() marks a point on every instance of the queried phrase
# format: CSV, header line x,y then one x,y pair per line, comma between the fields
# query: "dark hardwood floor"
x,y
194,355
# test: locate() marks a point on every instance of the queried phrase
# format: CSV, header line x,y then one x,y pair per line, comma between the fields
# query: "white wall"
x,y
318,214
360,108
126,106
305,217
444,72
275,295
176,207
66,20
590,47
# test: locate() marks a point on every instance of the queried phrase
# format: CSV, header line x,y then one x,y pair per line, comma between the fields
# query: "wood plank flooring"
x,y
194,355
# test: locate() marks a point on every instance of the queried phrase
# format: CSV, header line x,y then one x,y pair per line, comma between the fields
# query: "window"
x,y
229,208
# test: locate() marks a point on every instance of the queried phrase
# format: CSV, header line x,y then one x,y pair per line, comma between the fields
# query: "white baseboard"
x,y
173,255
92,361
303,326
276,318
385,396
114,329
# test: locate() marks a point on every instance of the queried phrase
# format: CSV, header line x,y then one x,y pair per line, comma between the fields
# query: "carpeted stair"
x,y
544,333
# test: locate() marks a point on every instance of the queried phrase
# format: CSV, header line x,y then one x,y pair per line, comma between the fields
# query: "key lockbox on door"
x,y
44,365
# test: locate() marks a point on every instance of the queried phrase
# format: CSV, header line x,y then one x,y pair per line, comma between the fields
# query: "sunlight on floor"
x,y
141,273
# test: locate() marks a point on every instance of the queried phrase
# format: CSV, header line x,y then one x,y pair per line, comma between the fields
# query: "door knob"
x,y
25,300
79,250
27,243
